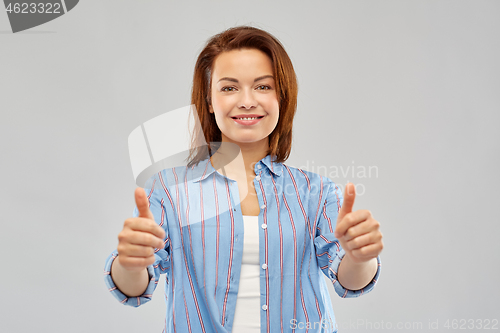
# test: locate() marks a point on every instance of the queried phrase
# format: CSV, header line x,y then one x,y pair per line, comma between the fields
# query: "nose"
x,y
247,100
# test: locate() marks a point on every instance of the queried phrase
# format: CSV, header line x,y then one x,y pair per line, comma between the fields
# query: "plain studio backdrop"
x,y
408,91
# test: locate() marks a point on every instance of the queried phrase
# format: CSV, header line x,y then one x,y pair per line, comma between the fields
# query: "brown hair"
x,y
280,139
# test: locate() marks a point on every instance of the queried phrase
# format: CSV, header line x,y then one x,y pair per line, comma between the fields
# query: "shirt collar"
x,y
274,167
204,168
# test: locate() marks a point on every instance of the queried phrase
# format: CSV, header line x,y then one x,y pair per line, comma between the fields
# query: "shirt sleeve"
x,y
329,253
161,265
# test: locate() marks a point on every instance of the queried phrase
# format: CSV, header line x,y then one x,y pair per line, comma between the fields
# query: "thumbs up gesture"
x,y
358,232
139,237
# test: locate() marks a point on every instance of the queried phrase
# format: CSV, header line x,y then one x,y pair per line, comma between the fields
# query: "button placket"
x,y
232,186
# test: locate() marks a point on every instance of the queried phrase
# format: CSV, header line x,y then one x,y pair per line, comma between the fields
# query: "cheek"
x,y
271,103
215,103
216,99
222,105
274,109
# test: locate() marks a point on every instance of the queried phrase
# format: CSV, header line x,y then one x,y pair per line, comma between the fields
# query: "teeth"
x,y
248,118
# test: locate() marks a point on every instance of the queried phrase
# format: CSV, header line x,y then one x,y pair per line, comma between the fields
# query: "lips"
x,y
248,116
239,120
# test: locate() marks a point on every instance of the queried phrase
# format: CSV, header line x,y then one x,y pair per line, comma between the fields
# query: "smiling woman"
x,y
247,110
246,68
244,240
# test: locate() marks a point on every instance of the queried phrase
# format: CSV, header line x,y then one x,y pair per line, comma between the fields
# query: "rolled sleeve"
x,y
121,297
329,253
161,265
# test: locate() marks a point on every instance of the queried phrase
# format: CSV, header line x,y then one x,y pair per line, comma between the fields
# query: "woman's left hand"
x,y
358,232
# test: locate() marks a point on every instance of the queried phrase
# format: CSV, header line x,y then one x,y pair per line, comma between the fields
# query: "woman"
x,y
244,239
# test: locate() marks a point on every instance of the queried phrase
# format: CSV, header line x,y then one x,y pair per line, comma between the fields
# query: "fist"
x,y
358,232
139,237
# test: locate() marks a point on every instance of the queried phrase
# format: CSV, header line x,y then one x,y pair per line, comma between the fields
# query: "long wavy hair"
x,y
239,37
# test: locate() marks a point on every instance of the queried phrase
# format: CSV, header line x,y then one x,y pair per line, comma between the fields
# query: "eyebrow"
x,y
257,79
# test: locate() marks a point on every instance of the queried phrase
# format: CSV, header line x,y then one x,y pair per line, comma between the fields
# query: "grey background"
x,y
411,87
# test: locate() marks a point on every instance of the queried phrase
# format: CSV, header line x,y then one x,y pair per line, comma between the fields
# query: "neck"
x,y
239,158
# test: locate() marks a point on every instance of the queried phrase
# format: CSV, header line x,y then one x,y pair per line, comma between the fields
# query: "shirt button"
x,y
259,166
264,266
264,226
263,206
257,178
264,307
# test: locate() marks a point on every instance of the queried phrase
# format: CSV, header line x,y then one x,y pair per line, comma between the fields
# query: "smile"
x,y
247,120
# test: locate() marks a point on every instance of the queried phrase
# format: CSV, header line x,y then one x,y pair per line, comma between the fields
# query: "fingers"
x,y
133,250
129,236
350,220
140,236
368,252
363,240
142,203
364,226
135,263
145,225
349,196
136,249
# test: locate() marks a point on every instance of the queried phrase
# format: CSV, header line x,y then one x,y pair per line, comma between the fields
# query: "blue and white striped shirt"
x,y
199,210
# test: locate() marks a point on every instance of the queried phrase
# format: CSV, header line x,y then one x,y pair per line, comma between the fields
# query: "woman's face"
x,y
243,86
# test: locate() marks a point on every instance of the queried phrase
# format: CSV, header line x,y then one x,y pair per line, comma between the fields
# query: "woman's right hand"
x,y
139,237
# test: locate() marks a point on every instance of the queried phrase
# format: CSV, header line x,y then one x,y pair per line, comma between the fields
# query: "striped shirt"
x,y
199,209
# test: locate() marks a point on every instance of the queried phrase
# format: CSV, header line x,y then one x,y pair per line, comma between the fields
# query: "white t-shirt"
x,y
247,312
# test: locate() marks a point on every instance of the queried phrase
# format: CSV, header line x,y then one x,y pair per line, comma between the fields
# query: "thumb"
x,y
142,203
349,196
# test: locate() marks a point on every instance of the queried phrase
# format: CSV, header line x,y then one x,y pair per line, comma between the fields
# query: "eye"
x,y
224,89
264,86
